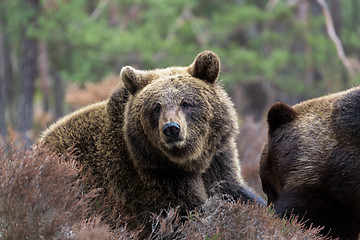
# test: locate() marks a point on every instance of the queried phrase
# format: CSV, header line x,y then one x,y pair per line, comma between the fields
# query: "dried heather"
x,y
41,197
38,194
222,219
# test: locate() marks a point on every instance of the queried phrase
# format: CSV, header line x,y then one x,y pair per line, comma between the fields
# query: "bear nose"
x,y
171,129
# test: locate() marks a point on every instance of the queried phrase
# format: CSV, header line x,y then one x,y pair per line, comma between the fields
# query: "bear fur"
x,y
310,164
164,138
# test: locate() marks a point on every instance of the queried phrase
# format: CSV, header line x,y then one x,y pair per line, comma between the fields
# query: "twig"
x,y
99,9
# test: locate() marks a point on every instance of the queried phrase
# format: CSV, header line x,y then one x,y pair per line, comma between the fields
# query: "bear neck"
x,y
168,174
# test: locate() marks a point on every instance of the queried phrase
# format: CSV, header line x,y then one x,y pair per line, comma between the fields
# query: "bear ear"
x,y
206,66
279,114
132,79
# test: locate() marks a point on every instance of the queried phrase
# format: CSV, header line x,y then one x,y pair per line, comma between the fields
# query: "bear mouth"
x,y
174,143
174,146
183,151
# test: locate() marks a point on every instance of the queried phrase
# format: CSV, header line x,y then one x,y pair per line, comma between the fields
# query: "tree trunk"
x,y
303,11
113,14
337,16
44,73
355,15
3,100
28,71
7,98
303,15
59,95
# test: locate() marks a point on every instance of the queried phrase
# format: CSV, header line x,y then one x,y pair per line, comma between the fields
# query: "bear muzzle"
x,y
173,135
171,129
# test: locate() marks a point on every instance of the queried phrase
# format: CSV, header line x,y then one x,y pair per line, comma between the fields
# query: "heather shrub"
x,y
223,219
36,195
96,229
41,197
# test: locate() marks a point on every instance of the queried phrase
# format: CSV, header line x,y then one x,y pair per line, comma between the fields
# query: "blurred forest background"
x,y
59,55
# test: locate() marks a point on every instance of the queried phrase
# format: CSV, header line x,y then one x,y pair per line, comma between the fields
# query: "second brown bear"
x,y
310,165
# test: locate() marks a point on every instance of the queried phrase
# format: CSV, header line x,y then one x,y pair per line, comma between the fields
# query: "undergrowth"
x,y
42,197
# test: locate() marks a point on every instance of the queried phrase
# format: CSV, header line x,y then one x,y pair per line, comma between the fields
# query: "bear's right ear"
x,y
206,66
134,80
279,114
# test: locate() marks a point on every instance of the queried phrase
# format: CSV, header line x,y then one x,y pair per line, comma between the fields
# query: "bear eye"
x,y
185,105
157,108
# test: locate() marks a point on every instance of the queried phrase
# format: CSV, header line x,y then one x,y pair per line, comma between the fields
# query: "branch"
x,y
332,34
99,9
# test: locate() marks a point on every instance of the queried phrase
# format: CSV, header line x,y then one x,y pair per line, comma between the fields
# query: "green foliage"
x,y
254,44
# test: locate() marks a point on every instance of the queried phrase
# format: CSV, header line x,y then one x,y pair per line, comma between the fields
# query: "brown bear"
x,y
310,164
164,138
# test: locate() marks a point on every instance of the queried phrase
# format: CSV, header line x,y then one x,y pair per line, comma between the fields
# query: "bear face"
x,y
173,111
310,163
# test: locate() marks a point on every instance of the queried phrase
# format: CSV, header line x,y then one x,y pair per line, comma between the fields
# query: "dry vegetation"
x,y
41,197
223,219
78,97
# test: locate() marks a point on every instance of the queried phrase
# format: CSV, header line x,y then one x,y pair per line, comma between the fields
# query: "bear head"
x,y
310,164
177,117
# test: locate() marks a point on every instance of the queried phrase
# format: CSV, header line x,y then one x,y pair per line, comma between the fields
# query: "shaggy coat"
x,y
310,165
163,139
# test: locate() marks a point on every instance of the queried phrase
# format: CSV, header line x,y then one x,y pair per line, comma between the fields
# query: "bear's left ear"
x,y
279,114
206,66
134,80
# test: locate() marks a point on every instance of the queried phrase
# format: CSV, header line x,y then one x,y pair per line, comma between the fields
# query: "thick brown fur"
x,y
310,165
147,167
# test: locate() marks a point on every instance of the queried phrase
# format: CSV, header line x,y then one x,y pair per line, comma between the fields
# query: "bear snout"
x,y
171,129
